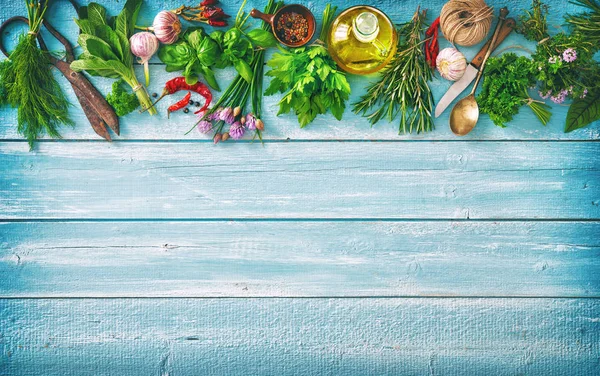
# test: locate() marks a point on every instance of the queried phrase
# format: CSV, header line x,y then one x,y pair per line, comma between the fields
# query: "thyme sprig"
x,y
402,88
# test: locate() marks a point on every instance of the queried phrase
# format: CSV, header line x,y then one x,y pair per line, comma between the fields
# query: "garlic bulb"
x,y
451,64
166,27
144,45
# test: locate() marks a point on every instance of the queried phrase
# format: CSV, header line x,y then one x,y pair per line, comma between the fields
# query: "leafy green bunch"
x,y
310,79
27,82
105,44
505,89
198,53
587,23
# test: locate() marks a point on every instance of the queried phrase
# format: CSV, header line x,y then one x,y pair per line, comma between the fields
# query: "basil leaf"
x,y
207,52
231,36
177,55
96,14
209,76
217,36
243,69
262,38
583,112
195,39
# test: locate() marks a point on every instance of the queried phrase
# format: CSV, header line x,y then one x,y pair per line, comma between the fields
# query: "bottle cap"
x,y
366,27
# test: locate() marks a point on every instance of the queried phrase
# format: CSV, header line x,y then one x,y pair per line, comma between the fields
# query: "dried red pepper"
x,y
432,48
180,104
178,83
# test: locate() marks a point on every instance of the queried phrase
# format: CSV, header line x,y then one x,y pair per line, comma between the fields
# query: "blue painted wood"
x,y
142,126
299,258
300,337
530,184
301,180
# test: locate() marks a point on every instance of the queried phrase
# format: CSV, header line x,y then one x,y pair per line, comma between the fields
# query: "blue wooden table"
x,y
338,249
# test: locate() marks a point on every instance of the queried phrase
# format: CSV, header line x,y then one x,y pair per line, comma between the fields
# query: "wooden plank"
x,y
300,337
542,180
276,259
142,126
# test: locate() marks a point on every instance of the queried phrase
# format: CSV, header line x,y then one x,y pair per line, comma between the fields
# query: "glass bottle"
x,y
362,40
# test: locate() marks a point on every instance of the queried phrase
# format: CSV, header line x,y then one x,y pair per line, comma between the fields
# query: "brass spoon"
x,y
465,113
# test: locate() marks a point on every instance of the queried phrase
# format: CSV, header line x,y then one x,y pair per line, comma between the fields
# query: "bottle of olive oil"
x,y
362,40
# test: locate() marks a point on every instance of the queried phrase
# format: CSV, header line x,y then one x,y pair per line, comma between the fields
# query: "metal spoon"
x,y
465,113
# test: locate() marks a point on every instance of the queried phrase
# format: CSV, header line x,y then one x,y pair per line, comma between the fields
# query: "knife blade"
x,y
472,69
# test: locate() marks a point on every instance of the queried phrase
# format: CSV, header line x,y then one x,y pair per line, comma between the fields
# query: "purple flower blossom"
x,y
560,97
250,122
237,130
215,115
204,126
569,55
585,91
545,96
227,115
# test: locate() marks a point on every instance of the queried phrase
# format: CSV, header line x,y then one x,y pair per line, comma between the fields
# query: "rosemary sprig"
x,y
587,23
402,88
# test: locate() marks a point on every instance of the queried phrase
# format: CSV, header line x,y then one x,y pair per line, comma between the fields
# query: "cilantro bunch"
x,y
505,89
310,80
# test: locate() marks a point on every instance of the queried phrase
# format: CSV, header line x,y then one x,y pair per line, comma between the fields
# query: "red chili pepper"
x,y
179,105
208,2
214,13
178,83
217,23
432,47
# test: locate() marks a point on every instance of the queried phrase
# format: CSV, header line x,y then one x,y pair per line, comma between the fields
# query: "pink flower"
x,y
204,126
569,55
237,130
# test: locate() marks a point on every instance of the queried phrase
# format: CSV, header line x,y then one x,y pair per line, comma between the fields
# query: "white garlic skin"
x,y
166,27
451,64
143,45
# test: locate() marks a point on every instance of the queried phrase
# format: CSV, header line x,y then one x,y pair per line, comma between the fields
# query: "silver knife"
x,y
472,69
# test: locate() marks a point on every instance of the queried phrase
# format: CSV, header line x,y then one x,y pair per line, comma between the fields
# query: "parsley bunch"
x,y
310,79
505,89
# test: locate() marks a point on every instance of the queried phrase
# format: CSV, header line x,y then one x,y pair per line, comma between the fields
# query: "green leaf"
x,y
217,36
98,67
126,20
209,76
195,38
96,47
231,36
262,38
207,52
583,112
108,35
243,69
85,26
96,14
177,55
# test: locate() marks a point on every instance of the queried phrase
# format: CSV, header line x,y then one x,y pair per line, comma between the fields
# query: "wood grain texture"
x,y
276,259
353,127
300,337
301,180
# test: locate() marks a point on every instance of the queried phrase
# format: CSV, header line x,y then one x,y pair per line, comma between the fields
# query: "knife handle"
x,y
507,28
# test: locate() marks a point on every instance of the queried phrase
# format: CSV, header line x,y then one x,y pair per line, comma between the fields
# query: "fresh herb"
x,y
533,24
310,79
122,100
505,89
198,53
106,49
588,23
583,111
230,108
29,84
402,88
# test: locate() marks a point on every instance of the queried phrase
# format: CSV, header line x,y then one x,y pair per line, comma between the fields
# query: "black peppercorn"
x,y
186,110
191,102
154,95
197,104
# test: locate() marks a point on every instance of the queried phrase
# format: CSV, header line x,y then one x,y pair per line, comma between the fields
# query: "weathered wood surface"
x,y
452,256
142,126
300,337
301,180
291,258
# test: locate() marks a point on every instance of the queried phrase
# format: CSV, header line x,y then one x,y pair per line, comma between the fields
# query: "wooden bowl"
x,y
272,19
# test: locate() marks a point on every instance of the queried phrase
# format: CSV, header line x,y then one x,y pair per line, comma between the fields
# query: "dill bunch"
x,y
30,84
402,88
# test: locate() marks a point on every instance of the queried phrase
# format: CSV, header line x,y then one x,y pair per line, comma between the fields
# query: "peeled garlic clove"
x,y
451,64
166,27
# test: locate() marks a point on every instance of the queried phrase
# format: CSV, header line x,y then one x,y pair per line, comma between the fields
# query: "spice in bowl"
x,y
292,27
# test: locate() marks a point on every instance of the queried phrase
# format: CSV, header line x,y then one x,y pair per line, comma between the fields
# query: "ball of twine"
x,y
466,22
